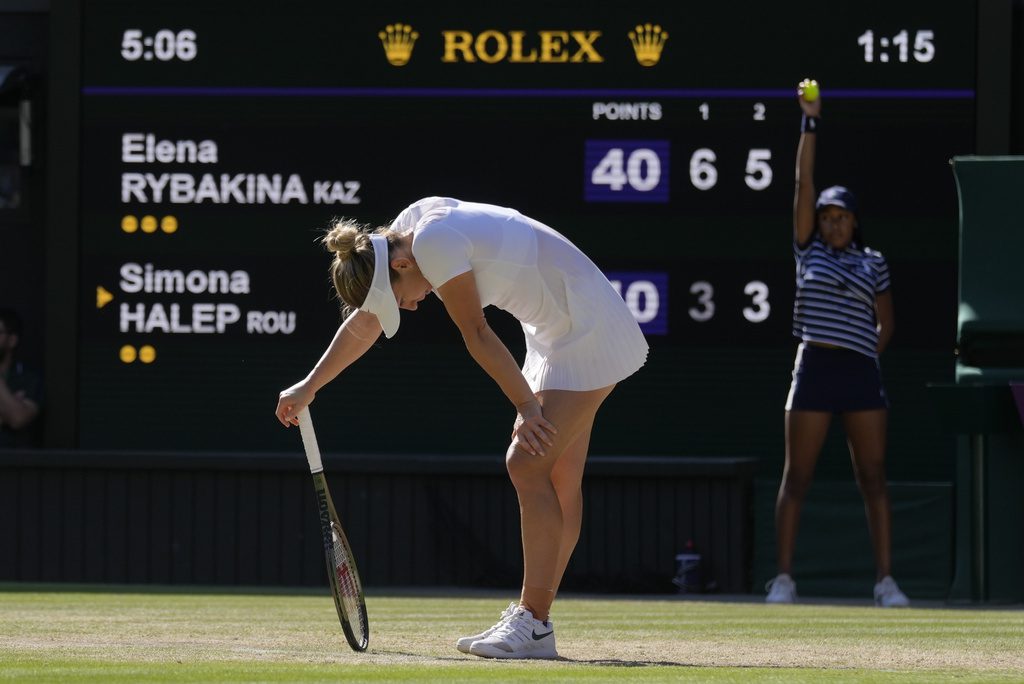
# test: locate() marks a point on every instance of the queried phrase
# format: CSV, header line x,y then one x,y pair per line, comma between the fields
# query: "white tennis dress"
x,y
579,333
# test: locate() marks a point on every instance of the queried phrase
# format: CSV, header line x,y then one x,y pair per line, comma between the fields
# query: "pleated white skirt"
x,y
601,345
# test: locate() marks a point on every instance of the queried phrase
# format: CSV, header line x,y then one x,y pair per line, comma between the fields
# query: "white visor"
x,y
380,300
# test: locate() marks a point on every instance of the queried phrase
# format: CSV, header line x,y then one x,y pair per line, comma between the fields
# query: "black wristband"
x,y
809,124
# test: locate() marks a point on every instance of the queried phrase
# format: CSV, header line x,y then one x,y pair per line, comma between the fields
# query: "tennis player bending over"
x,y
580,341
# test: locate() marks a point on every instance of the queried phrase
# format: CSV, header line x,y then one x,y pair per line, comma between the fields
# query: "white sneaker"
x,y
888,594
520,636
464,643
781,589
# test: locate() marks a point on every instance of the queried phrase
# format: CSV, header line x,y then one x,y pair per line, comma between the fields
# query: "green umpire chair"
x,y
980,406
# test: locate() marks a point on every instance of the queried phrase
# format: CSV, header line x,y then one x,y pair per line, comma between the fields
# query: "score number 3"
x,y
758,311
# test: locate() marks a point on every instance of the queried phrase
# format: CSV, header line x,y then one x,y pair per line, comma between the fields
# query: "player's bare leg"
x,y
567,478
572,413
528,633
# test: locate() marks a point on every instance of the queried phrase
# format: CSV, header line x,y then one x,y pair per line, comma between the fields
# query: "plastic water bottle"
x,y
688,575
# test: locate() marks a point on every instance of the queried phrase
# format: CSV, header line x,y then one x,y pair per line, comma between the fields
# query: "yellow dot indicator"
x,y
129,224
147,354
149,224
169,224
128,353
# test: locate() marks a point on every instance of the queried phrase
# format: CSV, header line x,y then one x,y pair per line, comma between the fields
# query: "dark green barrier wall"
x,y
833,555
427,521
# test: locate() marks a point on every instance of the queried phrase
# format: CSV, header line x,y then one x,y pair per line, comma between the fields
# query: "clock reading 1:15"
x,y
923,48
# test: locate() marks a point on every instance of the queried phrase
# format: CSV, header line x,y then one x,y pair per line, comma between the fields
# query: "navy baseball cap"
x,y
836,196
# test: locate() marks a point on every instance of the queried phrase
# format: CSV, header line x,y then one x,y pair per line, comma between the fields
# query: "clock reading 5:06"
x,y
923,49
164,45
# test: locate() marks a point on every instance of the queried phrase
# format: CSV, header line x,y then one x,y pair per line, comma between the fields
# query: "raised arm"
x,y
803,200
462,301
354,338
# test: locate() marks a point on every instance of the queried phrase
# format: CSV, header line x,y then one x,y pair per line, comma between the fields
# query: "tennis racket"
x,y
341,564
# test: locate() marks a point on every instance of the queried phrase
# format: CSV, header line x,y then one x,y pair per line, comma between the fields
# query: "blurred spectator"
x,y
21,389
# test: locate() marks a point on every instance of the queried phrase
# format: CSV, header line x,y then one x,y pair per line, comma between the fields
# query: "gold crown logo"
x,y
648,42
398,40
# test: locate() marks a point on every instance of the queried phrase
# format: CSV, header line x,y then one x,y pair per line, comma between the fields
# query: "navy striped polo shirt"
x,y
835,295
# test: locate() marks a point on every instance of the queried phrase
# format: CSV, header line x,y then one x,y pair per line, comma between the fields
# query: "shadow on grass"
x,y
606,662
612,662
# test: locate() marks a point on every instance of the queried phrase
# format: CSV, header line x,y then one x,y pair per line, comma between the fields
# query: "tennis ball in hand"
x,y
810,88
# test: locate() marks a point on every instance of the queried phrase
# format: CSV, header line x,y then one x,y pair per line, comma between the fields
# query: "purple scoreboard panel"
x,y
626,171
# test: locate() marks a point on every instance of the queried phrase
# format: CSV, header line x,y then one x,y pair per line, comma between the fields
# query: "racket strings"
x,y
348,583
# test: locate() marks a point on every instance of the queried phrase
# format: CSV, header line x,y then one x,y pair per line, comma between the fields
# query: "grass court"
x,y
144,634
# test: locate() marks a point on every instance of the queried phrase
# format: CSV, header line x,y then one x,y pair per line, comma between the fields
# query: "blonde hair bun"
x,y
345,238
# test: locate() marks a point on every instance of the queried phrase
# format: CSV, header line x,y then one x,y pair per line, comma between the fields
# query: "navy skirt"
x,y
836,381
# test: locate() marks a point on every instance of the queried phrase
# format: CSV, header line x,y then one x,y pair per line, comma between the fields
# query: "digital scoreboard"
x,y
219,140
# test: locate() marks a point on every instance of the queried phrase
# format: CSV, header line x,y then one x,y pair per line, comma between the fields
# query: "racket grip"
x,y
309,442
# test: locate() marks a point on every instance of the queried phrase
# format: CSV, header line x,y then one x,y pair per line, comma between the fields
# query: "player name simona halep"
x,y
581,340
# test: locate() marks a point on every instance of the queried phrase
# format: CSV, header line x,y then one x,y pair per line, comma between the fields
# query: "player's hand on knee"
x,y
532,430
